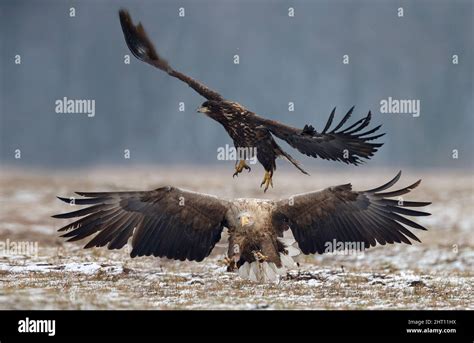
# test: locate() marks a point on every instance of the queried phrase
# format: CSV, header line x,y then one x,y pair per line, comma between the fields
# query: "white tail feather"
x,y
287,261
289,243
261,271
244,270
287,240
292,251
269,273
266,271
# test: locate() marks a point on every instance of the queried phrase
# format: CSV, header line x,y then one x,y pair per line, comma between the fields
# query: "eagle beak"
x,y
203,110
244,220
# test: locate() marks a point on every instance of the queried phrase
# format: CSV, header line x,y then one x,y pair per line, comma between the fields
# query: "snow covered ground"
x,y
41,271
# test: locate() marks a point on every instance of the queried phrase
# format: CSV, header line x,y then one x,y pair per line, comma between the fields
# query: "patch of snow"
x,y
72,267
314,282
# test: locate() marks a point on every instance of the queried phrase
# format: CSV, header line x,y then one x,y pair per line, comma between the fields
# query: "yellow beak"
x,y
244,220
203,110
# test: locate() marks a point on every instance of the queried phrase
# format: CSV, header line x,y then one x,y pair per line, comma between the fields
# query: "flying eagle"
x,y
179,224
250,131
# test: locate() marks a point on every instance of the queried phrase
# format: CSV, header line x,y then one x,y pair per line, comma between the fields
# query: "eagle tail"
x,y
290,246
261,271
268,271
292,160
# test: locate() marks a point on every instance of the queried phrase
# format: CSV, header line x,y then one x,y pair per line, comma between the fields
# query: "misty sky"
x,y
282,59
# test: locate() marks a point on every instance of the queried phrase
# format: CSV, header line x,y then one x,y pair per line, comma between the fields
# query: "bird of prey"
x,y
251,132
179,224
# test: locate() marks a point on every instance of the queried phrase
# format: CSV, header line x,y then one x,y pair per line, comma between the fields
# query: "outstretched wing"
x,y
338,214
166,222
348,145
142,48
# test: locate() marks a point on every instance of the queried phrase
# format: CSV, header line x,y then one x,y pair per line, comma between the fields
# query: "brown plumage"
x,y
349,145
179,224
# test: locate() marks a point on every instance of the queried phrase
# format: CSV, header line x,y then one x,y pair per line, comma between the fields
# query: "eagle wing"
x,y
167,222
348,144
340,214
142,48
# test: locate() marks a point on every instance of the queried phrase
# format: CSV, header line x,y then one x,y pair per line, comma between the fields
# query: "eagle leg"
x,y
267,180
230,263
239,166
259,257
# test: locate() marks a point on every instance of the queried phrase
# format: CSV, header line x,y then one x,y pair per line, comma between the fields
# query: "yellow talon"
x,y
230,263
267,180
239,166
259,257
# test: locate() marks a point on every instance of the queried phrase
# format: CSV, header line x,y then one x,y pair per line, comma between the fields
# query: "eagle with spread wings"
x,y
350,144
184,225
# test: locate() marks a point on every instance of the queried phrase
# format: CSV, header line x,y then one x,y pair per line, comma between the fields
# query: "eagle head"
x,y
245,219
209,107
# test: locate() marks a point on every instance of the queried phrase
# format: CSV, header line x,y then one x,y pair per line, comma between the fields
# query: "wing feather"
x,y
348,145
329,122
142,48
341,214
166,222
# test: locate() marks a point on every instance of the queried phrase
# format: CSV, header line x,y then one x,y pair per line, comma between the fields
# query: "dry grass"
x,y
436,274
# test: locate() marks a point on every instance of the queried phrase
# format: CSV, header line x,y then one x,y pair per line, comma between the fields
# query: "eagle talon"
x,y
250,131
259,257
241,165
230,263
267,180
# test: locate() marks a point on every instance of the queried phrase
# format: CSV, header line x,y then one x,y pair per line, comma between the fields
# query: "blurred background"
x,y
282,59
